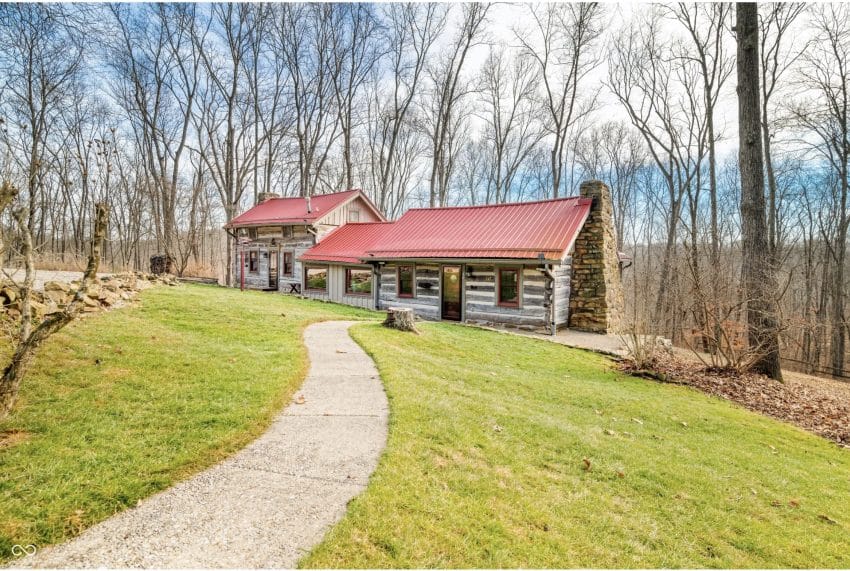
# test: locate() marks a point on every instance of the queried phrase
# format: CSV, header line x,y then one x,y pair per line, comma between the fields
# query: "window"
x,y
508,290
287,264
358,281
354,216
253,262
317,279
287,232
405,281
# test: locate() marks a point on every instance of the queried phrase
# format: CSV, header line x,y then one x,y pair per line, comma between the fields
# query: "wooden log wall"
x,y
425,303
298,243
562,293
482,306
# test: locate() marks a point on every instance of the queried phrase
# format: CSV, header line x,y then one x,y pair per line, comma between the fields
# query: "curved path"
x,y
271,502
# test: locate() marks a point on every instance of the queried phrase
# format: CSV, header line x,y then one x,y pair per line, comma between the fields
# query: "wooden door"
x,y
273,258
452,282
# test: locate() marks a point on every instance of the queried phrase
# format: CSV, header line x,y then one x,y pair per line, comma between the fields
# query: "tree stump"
x,y
400,318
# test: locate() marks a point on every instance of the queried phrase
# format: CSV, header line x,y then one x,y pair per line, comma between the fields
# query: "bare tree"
x,y
825,113
776,59
565,55
411,31
757,270
448,87
705,25
156,66
512,130
226,119
615,152
41,53
303,37
661,96
355,54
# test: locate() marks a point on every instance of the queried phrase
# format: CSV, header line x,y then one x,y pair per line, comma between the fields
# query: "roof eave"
x,y
338,260
274,222
463,260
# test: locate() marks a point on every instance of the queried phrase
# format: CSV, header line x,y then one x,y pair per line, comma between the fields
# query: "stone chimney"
x,y
596,290
264,196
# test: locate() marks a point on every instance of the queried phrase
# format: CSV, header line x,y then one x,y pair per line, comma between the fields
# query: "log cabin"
x,y
272,236
537,266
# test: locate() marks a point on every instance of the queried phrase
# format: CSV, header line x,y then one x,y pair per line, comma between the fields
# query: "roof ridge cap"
x,y
369,222
313,195
561,199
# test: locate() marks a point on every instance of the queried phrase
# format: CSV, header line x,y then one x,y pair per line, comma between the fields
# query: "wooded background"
x,y
178,115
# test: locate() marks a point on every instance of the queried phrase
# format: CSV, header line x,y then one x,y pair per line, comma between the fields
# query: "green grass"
x,y
484,468
123,404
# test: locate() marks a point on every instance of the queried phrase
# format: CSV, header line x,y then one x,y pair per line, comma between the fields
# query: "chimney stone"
x,y
596,289
264,196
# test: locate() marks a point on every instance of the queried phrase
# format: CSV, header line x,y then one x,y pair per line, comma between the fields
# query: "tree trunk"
x,y
14,372
758,274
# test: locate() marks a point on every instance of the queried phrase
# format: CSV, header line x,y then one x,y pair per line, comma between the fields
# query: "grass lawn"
x,y
123,404
484,468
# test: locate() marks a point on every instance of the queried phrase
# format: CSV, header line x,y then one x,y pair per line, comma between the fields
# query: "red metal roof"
x,y
291,210
518,230
348,243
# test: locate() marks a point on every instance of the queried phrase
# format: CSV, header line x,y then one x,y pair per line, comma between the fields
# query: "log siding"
x,y
299,240
426,299
482,301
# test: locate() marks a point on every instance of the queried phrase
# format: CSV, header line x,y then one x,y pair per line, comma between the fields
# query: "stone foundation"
x,y
596,292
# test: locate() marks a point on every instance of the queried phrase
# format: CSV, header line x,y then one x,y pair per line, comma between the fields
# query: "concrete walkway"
x,y
267,505
614,345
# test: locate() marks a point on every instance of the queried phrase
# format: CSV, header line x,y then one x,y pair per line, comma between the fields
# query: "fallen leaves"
x,y
586,464
300,399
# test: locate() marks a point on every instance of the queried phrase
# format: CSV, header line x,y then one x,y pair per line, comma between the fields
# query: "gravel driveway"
x,y
42,276
271,502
